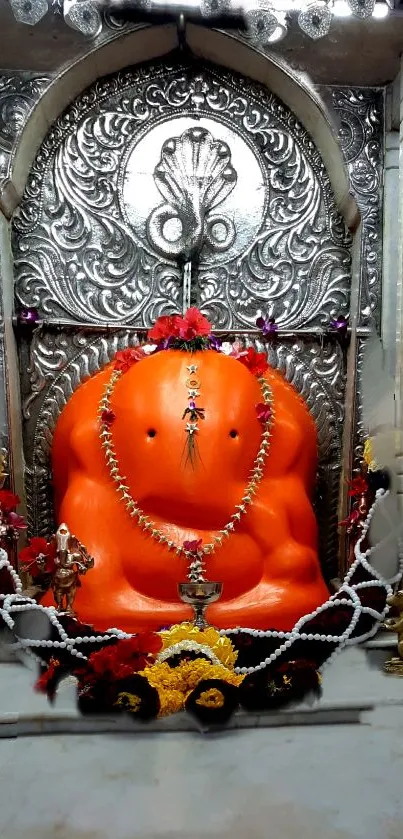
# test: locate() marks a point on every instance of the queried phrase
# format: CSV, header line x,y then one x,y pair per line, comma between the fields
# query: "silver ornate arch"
x,y
81,232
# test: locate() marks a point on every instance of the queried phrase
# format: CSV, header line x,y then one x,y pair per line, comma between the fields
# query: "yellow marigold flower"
x,y
211,698
221,646
171,701
187,675
368,456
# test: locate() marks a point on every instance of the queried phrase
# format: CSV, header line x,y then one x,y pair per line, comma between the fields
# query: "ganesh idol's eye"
x,y
151,432
233,433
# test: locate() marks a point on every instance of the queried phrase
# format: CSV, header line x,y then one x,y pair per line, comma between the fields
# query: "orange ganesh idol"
x,y
180,462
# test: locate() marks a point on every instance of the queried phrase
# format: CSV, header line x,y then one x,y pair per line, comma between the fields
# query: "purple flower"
x,y
16,521
215,343
28,317
267,326
339,324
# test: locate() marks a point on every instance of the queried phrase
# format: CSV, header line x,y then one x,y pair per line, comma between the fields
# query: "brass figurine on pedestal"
x,y
395,624
71,561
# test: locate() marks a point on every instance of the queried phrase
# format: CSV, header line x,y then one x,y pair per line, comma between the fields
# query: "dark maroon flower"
x,y
16,521
213,701
108,417
263,412
350,520
193,546
358,486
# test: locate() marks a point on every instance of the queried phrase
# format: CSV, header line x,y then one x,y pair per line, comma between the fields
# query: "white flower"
x,y
149,348
226,347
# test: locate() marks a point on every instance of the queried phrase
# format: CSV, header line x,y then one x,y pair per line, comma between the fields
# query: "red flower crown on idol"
x,y
191,332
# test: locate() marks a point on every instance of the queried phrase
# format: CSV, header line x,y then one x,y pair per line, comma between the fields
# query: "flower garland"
x,y
188,333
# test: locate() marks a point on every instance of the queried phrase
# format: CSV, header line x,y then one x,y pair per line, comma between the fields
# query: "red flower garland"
x,y
124,359
192,325
358,486
167,326
256,362
124,658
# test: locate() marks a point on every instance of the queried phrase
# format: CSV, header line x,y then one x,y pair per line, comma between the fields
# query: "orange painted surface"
x,y
269,566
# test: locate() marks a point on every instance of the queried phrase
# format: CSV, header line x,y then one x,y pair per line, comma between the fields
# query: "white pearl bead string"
x,y
17,602
335,600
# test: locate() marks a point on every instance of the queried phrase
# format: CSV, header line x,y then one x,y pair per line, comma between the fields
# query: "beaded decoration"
x,y
192,413
132,506
348,595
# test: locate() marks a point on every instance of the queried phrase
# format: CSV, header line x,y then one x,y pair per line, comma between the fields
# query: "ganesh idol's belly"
x,y
126,555
153,570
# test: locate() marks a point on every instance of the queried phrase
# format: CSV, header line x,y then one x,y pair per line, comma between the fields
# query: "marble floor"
x,y
331,782
283,782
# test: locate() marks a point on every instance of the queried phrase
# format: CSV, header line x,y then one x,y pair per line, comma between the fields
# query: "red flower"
x,y
125,657
194,325
167,326
38,557
193,545
124,359
263,412
256,362
358,486
350,520
108,417
8,501
47,682
105,664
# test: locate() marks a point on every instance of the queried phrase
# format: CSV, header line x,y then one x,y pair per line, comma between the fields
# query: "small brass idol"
x,y
72,560
395,624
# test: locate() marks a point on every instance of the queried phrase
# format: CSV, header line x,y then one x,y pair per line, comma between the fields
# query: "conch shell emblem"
x,y
194,175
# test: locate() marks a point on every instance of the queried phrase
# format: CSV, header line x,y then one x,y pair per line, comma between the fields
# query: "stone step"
x,y
353,689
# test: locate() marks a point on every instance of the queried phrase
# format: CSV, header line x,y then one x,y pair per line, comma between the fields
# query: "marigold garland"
x,y
188,674
221,647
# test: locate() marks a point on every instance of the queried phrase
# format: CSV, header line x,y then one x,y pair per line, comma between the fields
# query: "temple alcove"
x,y
88,251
